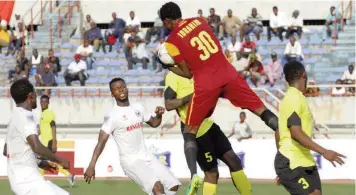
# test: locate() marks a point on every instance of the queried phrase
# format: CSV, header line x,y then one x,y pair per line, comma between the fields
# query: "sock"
x,y
190,151
42,172
209,189
63,171
241,182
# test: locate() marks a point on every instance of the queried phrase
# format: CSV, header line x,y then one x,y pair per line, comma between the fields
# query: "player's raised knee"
x,y
158,188
211,176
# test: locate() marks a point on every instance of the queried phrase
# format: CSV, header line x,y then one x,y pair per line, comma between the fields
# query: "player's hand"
x,y
333,157
48,166
160,110
89,174
54,146
64,163
278,181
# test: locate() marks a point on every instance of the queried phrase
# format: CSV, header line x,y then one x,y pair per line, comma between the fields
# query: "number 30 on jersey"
x,y
204,43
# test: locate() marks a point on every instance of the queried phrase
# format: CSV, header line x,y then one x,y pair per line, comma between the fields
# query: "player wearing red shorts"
x,y
198,53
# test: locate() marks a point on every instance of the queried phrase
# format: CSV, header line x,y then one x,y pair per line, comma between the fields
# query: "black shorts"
x,y
211,147
299,181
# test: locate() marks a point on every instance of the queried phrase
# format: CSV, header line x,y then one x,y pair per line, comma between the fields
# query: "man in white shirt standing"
x,y
243,129
295,25
293,51
23,145
133,21
124,123
76,71
277,23
86,52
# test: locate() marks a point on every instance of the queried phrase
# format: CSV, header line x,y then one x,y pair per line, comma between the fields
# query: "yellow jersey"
x,y
294,111
47,116
183,87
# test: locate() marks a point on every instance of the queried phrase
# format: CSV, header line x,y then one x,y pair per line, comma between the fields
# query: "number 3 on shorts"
x,y
208,157
304,183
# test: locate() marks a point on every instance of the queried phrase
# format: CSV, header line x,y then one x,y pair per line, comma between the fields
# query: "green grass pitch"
x,y
119,187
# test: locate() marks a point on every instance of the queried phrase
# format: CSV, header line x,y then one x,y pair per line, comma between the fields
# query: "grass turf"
x,y
110,187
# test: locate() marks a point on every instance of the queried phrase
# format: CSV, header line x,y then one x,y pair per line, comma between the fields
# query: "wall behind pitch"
x,y
146,10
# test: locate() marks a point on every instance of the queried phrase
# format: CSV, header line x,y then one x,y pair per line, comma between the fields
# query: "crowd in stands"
x,y
127,36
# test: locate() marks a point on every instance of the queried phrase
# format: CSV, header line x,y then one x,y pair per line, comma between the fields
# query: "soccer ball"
x,y
164,56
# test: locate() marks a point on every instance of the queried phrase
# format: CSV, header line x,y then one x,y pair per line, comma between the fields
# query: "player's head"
x,y
351,68
44,101
23,92
170,13
296,75
242,116
119,90
275,10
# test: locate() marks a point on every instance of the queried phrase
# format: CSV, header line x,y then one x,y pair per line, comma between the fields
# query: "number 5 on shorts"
x,y
208,157
304,183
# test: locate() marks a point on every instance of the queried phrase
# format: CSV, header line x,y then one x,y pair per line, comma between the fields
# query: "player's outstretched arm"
x,y
171,101
298,134
156,120
38,148
90,172
185,69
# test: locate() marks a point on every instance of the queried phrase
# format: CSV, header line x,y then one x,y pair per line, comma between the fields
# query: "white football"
x,y
164,56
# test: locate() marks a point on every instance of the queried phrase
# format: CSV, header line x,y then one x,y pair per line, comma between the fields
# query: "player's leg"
x,y
225,153
241,95
207,161
201,106
301,180
139,172
170,183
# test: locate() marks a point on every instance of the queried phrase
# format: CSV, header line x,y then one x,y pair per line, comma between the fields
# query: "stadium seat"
x,y
67,46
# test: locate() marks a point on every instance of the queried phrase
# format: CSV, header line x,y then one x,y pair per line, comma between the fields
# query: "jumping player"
x,y
212,142
198,53
294,164
48,134
22,145
124,123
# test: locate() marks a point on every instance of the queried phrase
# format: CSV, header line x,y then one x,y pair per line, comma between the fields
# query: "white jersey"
x,y
125,125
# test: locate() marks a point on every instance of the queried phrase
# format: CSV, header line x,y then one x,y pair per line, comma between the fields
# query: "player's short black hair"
x,y
20,90
293,70
171,11
114,80
45,97
275,7
242,112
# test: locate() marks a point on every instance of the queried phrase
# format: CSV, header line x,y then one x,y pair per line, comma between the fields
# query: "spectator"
x,y
132,21
22,60
18,74
228,56
295,25
277,22
46,79
16,39
273,70
157,30
36,62
230,25
254,56
332,24
312,89
240,64
53,62
14,25
132,42
243,129
255,71
253,24
200,15
214,21
3,27
349,78
95,38
86,53
293,51
111,40
157,68
338,91
76,71
247,47
234,47
87,23
118,25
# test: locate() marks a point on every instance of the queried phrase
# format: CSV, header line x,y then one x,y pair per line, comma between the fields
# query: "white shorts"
x,y
28,181
147,173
